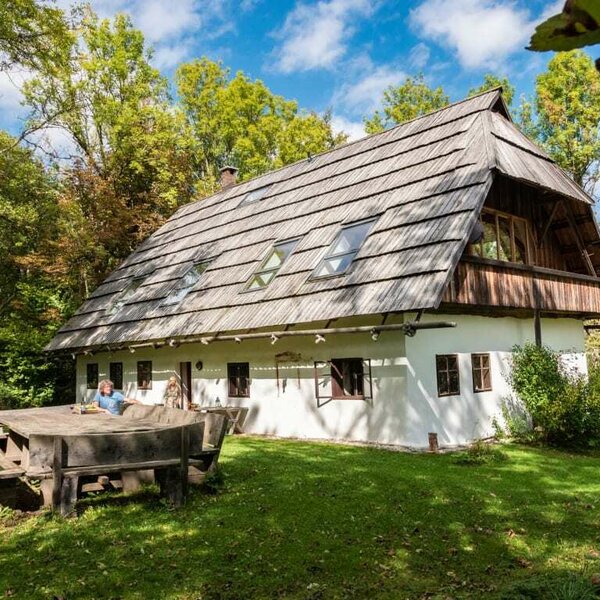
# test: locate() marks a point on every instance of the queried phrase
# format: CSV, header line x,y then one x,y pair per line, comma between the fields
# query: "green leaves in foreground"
x,y
577,26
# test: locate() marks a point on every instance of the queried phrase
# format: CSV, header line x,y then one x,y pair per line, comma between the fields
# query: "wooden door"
x,y
185,374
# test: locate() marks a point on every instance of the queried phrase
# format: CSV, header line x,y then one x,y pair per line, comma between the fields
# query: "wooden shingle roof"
x,y
425,181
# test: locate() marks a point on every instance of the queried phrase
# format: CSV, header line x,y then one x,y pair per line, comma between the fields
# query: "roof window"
x,y
342,251
271,265
118,303
186,283
255,195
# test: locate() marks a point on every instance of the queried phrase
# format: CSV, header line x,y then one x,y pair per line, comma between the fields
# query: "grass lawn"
x,y
312,520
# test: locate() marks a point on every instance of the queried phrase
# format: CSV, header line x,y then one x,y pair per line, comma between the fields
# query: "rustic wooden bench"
x,y
9,475
215,428
68,459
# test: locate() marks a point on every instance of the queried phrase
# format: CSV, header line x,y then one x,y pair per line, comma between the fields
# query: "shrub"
x,y
480,453
562,405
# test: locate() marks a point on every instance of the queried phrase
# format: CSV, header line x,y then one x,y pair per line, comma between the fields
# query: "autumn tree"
x,y
407,101
32,304
129,150
491,81
240,121
564,115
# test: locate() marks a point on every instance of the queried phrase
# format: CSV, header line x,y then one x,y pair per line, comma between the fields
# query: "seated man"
x,y
109,401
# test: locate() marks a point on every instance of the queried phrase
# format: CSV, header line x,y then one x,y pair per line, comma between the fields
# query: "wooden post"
x,y
183,467
68,495
433,442
57,472
587,261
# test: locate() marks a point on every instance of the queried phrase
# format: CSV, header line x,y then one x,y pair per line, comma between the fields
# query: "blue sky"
x,y
336,54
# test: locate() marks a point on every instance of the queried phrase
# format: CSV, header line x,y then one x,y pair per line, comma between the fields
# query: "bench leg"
x,y
68,495
171,485
46,487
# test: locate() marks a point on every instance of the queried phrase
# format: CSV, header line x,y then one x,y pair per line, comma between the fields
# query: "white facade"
x,y
405,405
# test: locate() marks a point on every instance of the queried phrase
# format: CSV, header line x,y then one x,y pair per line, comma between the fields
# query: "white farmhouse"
x,y
371,293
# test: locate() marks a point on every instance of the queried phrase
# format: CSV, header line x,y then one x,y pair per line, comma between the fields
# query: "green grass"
x,y
311,521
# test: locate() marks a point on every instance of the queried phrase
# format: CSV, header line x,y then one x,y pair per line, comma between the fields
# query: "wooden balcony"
x,y
488,283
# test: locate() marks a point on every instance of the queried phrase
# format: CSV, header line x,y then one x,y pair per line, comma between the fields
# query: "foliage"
x,y
578,25
32,305
33,34
215,481
479,453
517,423
565,114
407,101
491,81
130,166
241,122
304,520
565,407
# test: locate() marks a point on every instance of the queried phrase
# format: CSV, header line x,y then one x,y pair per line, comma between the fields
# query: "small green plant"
x,y
574,587
571,586
214,482
480,453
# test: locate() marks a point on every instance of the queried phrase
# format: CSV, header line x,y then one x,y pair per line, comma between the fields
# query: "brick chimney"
x,y
228,176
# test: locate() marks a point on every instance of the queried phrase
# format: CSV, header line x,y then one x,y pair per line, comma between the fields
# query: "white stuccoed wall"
x,y
457,419
405,406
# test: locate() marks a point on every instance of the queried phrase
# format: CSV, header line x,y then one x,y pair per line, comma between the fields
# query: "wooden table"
x,y
59,420
86,444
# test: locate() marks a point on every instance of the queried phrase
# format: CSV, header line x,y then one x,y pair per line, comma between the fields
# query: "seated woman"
x,y
109,401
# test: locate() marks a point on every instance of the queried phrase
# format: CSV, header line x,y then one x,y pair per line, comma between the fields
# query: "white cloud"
x,y
481,32
166,57
354,129
11,109
419,56
316,36
173,27
161,20
364,96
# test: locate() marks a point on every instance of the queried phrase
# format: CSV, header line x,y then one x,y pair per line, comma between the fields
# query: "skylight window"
x,y
342,251
118,303
255,195
271,265
186,283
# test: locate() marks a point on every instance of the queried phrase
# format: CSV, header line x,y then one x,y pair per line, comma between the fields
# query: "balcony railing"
x,y
482,282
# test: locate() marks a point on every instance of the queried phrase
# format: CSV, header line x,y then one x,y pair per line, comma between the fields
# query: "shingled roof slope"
x,y
425,180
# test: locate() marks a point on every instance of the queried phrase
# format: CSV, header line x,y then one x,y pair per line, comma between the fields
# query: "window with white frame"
x,y
126,294
271,265
344,248
183,287
255,195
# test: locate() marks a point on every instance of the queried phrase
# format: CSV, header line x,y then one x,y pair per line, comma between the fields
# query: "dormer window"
x,y
255,195
186,283
344,248
118,303
505,237
271,265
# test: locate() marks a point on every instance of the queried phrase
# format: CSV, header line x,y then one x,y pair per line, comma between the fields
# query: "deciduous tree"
x,y
407,101
491,81
130,166
565,114
240,121
33,34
